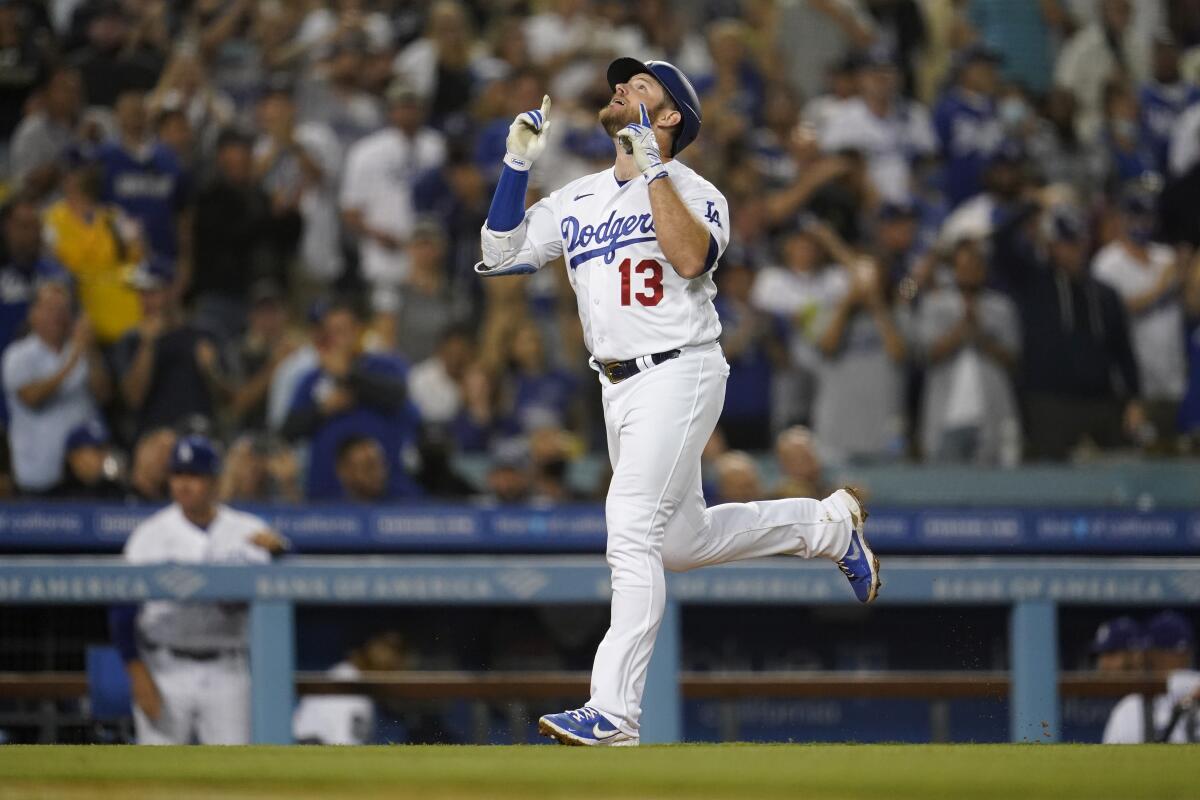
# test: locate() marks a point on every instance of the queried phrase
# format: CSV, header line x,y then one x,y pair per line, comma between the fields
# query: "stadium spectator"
x,y
143,179
738,480
799,464
1109,48
970,337
1120,646
47,133
821,33
24,64
477,423
343,718
550,453
1024,33
1146,274
891,132
376,197
54,379
267,343
118,56
751,341
238,237
536,394
1169,644
93,470
1129,150
169,368
150,470
435,384
333,93
858,414
1076,338
350,393
1004,182
1163,99
508,474
294,367
98,245
299,166
794,291
967,122
443,65
258,471
26,265
185,92
362,470
427,304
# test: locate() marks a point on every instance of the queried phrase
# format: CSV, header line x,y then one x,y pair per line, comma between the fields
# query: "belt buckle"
x,y
610,371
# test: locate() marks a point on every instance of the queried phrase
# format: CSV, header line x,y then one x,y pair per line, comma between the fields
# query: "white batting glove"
x,y
639,141
527,137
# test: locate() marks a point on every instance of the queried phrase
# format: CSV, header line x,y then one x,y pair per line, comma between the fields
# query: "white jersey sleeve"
x,y
534,242
709,206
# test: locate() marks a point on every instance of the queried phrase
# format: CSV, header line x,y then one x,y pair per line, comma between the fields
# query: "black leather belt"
x,y
189,654
617,371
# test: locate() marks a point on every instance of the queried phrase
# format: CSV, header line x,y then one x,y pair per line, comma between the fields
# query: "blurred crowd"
x,y
963,232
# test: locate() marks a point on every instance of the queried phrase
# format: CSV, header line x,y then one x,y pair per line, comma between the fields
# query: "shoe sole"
x,y
876,583
552,731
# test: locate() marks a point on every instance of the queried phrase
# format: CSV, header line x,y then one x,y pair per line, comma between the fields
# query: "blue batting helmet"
x,y
676,85
195,455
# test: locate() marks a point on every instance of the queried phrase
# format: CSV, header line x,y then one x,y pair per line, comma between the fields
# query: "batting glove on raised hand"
x,y
639,142
527,137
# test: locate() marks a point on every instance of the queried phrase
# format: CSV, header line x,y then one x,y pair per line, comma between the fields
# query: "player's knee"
x,y
678,557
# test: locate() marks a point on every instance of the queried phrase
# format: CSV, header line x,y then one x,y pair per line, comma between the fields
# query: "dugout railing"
x,y
1032,588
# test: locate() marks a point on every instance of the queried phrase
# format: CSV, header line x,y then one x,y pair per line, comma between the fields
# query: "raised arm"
x,y
514,241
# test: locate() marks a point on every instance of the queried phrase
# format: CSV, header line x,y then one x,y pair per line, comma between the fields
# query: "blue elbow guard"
x,y
508,204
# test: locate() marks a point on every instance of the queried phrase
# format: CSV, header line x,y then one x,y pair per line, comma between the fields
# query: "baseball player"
x,y
187,661
640,241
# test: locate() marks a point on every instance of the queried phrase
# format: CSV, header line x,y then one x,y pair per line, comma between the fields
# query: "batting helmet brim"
x,y
676,85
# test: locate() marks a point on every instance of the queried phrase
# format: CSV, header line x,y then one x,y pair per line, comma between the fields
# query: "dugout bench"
x,y
1032,588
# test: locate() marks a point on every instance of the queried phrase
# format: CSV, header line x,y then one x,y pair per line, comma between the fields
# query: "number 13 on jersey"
x,y
650,273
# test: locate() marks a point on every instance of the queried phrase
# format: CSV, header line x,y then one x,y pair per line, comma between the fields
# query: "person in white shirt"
x,y
187,662
891,132
348,718
376,199
1169,643
1145,274
54,380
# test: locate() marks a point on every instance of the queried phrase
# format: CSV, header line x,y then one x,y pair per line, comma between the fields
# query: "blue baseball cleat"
x,y
859,565
584,727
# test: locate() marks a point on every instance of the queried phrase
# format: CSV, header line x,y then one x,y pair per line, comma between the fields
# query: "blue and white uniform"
x,y
634,306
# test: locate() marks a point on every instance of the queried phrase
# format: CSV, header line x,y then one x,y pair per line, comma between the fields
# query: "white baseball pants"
x,y
207,702
658,423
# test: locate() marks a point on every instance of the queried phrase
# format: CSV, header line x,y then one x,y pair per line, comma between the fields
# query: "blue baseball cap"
x,y
1115,635
88,434
195,455
1170,630
1065,224
676,85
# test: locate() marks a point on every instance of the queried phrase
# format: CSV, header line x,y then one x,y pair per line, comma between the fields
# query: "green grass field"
x,y
696,772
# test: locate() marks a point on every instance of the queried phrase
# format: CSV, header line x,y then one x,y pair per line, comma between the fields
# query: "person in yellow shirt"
x,y
99,246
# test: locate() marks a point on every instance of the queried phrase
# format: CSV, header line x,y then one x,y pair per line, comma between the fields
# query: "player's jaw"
x,y
619,112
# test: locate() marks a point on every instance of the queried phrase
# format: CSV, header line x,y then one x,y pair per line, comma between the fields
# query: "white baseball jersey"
x,y
631,301
169,537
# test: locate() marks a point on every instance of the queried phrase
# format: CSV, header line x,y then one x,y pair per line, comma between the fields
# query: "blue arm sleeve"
x,y
710,259
122,622
508,203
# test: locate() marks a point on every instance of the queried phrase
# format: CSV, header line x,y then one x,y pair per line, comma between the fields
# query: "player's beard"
x,y
613,118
